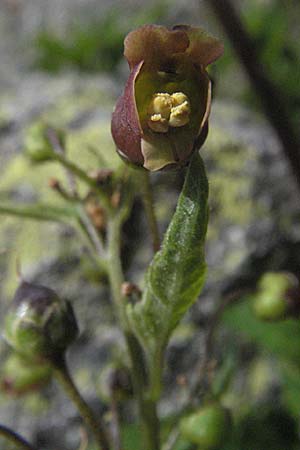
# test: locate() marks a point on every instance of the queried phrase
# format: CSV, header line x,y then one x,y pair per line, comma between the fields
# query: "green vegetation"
x,y
94,46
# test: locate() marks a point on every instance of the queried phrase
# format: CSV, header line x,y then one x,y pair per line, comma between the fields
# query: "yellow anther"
x,y
180,115
158,123
178,98
161,104
168,110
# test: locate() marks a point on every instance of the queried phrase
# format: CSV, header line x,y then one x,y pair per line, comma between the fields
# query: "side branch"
x,y
14,437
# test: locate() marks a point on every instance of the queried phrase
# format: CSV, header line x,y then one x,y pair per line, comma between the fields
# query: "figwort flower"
x,y
162,116
39,325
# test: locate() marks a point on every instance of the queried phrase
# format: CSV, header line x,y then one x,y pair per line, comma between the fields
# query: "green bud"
x,y
277,297
208,427
38,143
39,325
20,377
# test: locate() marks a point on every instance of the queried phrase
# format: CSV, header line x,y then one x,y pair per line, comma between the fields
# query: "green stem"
x,y
155,374
18,440
147,407
41,212
97,260
115,269
82,175
91,231
94,424
147,196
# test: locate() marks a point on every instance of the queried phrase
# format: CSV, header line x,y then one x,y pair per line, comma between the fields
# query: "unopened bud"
x,y
115,199
38,144
54,183
128,289
120,382
277,297
39,325
101,176
208,427
96,213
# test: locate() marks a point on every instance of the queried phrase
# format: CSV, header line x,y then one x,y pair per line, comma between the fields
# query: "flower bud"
x,y
120,383
38,145
39,325
277,297
209,427
20,377
162,116
115,382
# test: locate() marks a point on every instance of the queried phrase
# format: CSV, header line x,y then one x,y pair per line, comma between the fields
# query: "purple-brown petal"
x,y
154,44
125,125
204,48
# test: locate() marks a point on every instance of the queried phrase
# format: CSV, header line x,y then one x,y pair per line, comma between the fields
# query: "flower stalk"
x,y
148,201
15,438
147,407
95,424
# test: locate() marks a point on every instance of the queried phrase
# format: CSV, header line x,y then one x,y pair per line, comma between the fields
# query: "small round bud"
x,y
54,183
20,377
208,427
128,289
38,143
39,325
96,213
277,297
101,176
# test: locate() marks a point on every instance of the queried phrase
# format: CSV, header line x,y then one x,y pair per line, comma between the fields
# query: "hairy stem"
x,y
18,440
94,423
147,407
147,196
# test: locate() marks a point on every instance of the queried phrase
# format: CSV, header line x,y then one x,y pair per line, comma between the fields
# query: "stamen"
x,y
168,110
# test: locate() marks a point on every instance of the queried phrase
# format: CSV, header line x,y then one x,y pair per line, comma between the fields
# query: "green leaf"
x,y
39,211
176,274
280,339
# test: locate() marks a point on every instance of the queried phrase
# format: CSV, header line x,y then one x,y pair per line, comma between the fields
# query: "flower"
x,y
39,325
162,116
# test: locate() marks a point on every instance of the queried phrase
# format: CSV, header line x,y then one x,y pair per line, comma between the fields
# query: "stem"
x,y
201,369
115,269
57,147
91,231
18,440
155,374
82,175
272,99
172,439
41,212
147,196
95,424
115,426
147,407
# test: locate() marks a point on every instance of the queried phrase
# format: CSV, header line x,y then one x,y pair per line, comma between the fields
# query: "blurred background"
x,y
61,61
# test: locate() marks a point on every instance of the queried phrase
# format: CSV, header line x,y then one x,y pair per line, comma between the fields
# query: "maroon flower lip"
x,y
162,115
